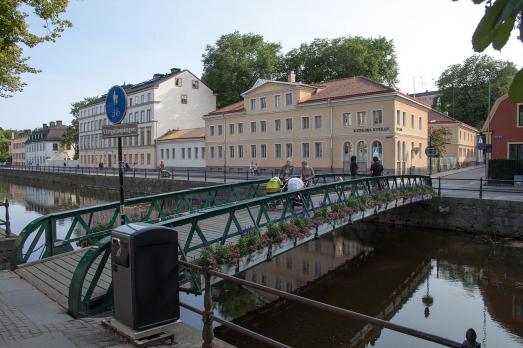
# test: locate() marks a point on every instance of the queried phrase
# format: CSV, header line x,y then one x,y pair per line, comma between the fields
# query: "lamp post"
x,y
488,73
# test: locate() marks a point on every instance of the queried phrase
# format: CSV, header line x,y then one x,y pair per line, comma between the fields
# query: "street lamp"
x,y
488,73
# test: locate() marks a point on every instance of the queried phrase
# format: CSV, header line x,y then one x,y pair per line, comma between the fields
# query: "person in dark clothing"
x,y
353,168
376,169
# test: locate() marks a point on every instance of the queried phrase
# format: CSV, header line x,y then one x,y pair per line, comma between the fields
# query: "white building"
x,y
43,145
182,149
174,100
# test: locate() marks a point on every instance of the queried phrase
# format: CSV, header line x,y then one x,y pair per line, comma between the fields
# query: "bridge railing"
x,y
61,232
200,230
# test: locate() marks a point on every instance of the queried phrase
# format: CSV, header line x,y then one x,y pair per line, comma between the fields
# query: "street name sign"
x,y
431,152
116,104
120,130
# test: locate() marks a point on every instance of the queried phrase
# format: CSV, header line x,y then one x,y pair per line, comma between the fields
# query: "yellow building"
x,y
463,139
324,124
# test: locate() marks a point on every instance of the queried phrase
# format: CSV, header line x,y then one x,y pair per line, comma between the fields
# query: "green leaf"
x,y
502,32
516,89
481,38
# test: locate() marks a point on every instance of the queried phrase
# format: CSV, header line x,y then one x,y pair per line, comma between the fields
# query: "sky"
x,y
116,41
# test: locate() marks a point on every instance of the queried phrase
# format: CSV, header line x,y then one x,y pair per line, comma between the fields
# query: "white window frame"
x,y
320,156
287,99
240,128
276,128
263,103
240,151
277,101
303,118
364,112
303,152
253,104
320,117
287,124
276,152
377,124
251,152
263,129
262,154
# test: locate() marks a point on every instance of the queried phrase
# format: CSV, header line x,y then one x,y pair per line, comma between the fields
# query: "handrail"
x,y
208,313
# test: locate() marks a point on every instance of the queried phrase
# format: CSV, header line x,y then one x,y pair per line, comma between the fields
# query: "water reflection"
x,y
433,281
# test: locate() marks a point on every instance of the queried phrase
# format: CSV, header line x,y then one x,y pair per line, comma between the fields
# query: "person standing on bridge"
x,y
162,165
353,167
287,171
307,173
376,169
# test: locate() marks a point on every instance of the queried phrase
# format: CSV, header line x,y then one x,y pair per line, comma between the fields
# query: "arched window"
x,y
398,151
362,152
403,152
347,151
377,149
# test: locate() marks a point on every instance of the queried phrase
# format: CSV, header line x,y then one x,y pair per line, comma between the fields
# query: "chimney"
x,y
58,122
174,70
52,124
291,77
44,125
157,76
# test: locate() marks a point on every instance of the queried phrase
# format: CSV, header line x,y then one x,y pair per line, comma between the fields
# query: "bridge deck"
x,y
53,275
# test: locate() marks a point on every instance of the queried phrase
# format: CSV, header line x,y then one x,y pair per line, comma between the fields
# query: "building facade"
x,y
324,124
463,139
173,100
43,147
182,149
504,129
17,147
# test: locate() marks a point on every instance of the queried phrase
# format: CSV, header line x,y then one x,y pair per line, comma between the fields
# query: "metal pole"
x,y
430,153
207,331
481,188
120,175
7,223
188,175
205,174
439,186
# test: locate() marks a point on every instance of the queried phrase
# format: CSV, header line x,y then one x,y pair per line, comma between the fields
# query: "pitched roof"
x,y
55,133
436,117
347,88
181,134
228,109
261,82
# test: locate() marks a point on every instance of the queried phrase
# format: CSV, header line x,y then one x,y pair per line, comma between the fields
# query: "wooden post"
x,y
207,331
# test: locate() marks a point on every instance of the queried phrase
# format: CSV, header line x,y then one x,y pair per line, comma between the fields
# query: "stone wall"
x,y
7,252
480,216
131,184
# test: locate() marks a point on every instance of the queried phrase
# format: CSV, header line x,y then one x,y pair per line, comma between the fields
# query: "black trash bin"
x,y
145,275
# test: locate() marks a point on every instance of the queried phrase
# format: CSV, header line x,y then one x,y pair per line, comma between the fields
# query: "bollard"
x,y
205,174
481,188
207,330
145,173
224,176
188,178
7,223
134,172
247,175
439,186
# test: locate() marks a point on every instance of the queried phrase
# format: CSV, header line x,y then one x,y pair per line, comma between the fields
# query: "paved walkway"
x,y
29,319
465,183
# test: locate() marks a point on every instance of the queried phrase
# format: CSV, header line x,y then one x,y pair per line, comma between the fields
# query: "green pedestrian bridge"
x,y
231,227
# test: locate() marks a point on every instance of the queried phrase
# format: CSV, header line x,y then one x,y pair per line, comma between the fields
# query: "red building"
x,y
504,129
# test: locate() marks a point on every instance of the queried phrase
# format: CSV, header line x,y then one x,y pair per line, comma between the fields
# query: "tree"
x,y
5,140
323,60
14,34
440,138
71,136
464,87
235,62
495,28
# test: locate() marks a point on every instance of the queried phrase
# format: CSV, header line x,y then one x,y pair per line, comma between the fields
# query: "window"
x,y
515,152
212,151
263,126
231,151
288,124
55,147
183,152
263,150
136,119
347,120
412,121
195,153
148,136
178,82
288,99
142,99
420,123
142,137
277,151
277,125
167,153
277,101
318,150
184,98
195,84
149,97
142,158
136,102
305,267
148,115
377,117
189,153
211,131
404,119
317,122
520,115
161,154
220,151
220,129
362,118
288,262
253,127
305,151
253,104
288,150
253,151
419,151
361,151
240,151
142,116
377,149
203,152
240,128
231,129
304,123
148,158
263,102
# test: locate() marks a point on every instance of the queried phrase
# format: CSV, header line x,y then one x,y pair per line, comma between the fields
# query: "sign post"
x,y
116,108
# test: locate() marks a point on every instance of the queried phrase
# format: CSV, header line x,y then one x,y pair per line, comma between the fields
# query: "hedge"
x,y
504,169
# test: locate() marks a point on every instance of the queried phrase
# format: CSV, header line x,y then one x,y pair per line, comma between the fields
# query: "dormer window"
x,y
253,104
178,82
263,102
288,99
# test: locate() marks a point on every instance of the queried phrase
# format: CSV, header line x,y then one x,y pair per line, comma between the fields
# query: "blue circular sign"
x,y
116,104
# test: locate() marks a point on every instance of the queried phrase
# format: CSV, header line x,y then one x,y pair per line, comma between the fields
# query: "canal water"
x,y
435,281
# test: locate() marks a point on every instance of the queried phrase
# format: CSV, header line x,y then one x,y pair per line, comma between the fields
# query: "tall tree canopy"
x,y
495,28
235,62
464,87
71,136
5,140
324,59
14,34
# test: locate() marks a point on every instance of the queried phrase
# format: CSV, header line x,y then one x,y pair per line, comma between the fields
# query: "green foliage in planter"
x,y
273,231
321,213
352,203
284,228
